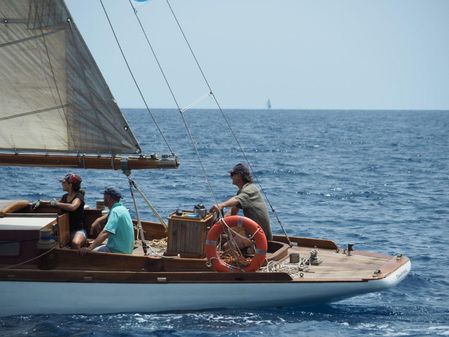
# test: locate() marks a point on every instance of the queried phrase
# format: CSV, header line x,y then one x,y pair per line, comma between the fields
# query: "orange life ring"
x,y
252,227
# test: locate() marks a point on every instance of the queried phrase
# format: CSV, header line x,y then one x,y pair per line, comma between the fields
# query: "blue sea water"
x,y
376,178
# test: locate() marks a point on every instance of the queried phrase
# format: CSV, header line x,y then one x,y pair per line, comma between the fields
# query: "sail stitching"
x,y
44,93
101,105
90,91
34,37
63,114
35,112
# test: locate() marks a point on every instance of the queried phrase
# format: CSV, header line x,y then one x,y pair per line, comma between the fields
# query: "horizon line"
x,y
301,109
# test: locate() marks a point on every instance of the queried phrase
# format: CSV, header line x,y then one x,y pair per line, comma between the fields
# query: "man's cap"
x,y
240,169
113,192
71,178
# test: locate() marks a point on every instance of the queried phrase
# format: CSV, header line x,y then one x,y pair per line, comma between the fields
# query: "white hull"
x,y
19,297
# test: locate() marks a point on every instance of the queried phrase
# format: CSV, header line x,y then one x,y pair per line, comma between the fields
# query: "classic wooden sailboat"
x,y
57,111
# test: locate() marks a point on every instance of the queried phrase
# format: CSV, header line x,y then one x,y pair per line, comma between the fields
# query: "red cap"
x,y
72,178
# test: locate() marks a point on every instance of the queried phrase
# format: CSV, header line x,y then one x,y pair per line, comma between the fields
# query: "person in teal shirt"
x,y
118,230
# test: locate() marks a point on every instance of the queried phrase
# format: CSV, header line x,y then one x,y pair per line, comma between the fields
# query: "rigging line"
x,y
191,105
203,168
154,55
192,140
134,78
153,209
226,118
189,46
139,223
207,82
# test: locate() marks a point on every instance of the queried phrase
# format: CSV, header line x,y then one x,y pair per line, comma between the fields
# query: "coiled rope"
x,y
295,270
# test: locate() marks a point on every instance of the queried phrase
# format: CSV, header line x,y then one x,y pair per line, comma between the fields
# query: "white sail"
x,y
268,104
52,94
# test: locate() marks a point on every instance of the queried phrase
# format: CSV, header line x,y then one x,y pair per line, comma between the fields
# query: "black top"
x,y
76,218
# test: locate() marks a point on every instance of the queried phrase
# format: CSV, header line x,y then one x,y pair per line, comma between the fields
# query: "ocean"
x,y
378,179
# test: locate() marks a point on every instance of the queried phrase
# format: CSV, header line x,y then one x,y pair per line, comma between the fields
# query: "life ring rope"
x,y
240,224
252,236
227,223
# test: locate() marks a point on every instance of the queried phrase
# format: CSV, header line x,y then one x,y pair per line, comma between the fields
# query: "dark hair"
x,y
113,193
247,178
76,186
73,179
244,172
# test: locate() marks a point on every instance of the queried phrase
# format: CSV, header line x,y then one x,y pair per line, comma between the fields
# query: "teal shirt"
x,y
120,229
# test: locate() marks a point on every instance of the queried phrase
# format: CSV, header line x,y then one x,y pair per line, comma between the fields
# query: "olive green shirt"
x,y
254,207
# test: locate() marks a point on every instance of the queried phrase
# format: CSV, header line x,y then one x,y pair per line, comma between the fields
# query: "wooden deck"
x,y
336,264
68,265
339,266
65,264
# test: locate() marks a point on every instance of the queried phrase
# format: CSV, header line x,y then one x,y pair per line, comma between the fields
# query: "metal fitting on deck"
x,y
350,248
294,258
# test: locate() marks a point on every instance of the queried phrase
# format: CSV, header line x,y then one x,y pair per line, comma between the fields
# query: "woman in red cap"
x,y
72,203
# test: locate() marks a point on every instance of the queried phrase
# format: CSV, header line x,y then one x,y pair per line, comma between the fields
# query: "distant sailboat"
x,y
268,104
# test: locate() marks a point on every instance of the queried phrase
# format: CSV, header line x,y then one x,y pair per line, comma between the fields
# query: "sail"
x,y
52,94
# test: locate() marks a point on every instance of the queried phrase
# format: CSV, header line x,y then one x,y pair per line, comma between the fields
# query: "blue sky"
x,y
320,54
